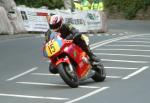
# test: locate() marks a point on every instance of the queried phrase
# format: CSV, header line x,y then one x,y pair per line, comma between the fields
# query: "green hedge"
x,y
51,4
128,7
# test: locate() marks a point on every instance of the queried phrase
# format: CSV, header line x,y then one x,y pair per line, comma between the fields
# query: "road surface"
x,y
124,51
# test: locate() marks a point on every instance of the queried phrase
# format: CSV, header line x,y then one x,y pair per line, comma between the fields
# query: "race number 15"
x,y
51,48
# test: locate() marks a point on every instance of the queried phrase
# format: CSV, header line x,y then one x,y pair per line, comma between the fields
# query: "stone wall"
x,y
6,27
11,20
68,4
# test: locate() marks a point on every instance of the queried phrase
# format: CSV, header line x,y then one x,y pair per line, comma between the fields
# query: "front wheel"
x,y
100,73
69,78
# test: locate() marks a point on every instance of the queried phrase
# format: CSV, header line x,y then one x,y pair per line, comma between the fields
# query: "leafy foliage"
x,y
128,7
51,4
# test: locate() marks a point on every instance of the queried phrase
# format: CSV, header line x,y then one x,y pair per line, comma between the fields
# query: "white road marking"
x,y
126,50
128,61
136,72
145,36
113,34
128,45
98,44
46,74
126,33
51,84
107,34
91,34
122,55
22,74
40,36
140,38
122,68
88,95
99,34
33,97
133,42
121,34
115,77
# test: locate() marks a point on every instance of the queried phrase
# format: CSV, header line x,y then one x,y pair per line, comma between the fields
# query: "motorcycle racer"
x,y
67,31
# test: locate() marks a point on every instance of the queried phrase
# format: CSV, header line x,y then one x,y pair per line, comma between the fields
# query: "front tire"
x,y
71,80
52,69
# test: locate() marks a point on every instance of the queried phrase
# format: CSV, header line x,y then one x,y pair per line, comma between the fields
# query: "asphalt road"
x,y
124,50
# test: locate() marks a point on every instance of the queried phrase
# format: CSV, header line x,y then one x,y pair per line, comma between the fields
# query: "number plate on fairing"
x,y
52,47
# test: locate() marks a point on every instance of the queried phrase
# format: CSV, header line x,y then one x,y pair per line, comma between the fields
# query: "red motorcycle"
x,y
71,62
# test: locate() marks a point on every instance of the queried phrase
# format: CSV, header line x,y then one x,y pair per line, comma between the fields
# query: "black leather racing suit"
x,y
68,32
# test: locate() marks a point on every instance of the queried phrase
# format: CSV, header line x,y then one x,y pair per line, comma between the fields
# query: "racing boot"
x,y
93,58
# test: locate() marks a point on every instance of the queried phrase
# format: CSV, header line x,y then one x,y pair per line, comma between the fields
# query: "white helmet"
x,y
55,21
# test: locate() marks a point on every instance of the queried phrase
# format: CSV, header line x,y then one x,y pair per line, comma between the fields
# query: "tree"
x,y
51,4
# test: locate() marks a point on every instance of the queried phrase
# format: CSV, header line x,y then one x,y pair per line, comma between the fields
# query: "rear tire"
x,y
100,73
72,81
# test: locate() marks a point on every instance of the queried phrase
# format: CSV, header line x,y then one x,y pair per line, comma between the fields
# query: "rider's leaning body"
x,y
67,31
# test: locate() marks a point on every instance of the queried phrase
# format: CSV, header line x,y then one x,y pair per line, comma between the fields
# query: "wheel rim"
x,y
72,75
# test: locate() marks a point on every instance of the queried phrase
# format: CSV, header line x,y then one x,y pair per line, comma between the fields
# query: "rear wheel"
x,y
100,73
69,77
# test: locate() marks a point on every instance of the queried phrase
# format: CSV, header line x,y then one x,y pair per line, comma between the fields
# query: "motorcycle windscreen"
x,y
52,47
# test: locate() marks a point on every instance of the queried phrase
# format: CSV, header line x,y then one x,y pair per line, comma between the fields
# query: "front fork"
x,y
70,70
